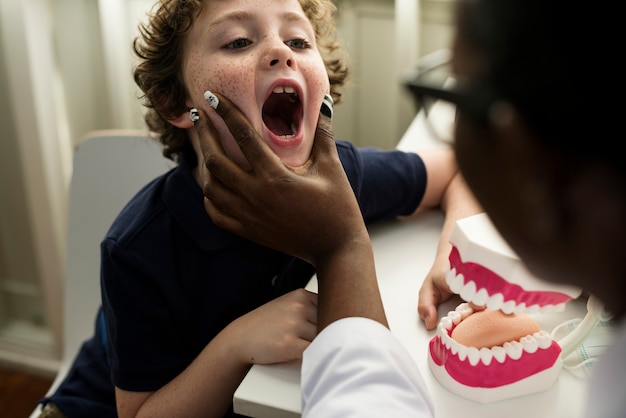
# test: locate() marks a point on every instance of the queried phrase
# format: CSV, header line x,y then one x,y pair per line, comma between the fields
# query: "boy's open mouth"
x,y
282,112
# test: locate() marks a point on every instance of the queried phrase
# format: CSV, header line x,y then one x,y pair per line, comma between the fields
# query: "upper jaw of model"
x,y
485,271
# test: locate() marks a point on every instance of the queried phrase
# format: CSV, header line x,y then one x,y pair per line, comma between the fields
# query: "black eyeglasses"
x,y
433,84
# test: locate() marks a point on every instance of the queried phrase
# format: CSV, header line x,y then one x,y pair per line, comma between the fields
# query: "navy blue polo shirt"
x,y
171,280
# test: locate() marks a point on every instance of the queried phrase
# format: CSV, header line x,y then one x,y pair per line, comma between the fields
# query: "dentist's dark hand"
x,y
307,211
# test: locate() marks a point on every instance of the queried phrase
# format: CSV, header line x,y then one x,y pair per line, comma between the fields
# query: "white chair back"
x,y
109,167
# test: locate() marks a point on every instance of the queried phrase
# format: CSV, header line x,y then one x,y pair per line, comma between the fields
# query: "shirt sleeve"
x,y
356,368
387,184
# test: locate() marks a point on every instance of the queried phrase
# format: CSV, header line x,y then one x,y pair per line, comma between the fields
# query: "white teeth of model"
x,y
530,344
521,308
543,338
278,89
508,307
481,297
455,316
289,90
486,356
533,309
499,353
465,310
552,308
468,291
454,347
495,302
445,324
513,349
462,352
473,355
456,283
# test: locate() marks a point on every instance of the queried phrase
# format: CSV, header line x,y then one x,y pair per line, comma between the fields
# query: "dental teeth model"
x,y
499,352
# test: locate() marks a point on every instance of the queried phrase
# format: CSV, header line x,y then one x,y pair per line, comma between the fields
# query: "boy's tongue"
x,y
278,115
277,125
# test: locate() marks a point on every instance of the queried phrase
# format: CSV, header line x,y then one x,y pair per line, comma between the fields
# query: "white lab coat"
x,y
356,368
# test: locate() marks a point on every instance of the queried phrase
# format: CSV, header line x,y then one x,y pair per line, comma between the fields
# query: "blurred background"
x,y
65,70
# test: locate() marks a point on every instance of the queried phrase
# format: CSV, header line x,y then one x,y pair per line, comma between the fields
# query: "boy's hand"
x,y
433,291
276,205
276,332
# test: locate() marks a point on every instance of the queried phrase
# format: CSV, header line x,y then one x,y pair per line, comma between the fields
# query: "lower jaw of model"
x,y
512,369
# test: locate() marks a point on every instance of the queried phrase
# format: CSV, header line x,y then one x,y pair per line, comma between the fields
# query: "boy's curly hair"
x,y
159,73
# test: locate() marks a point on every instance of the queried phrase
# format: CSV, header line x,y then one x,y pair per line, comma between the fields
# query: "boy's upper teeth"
x,y
288,90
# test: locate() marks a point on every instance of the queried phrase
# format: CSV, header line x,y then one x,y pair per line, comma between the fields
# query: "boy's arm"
x,y
276,332
445,189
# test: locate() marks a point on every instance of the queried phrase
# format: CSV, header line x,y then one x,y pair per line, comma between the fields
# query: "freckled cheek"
x,y
233,81
206,74
318,85
318,79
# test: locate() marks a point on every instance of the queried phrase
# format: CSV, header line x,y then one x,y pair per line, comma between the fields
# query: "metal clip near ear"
x,y
194,115
327,106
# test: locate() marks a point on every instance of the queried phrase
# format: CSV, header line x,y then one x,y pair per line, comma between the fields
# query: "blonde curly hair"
x,y
159,73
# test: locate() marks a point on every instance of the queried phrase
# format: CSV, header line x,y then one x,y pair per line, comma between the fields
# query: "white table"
x,y
404,251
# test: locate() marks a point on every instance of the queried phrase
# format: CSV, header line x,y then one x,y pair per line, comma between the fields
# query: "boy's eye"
x,y
298,43
238,43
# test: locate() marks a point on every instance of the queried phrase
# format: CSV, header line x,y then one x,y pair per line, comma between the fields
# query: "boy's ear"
x,y
181,121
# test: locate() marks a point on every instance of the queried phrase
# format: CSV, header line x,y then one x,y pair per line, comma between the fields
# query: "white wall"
x,y
385,38
41,161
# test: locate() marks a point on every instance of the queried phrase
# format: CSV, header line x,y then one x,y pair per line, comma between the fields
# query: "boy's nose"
x,y
279,55
277,61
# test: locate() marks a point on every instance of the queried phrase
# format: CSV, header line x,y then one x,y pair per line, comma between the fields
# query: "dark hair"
x,y
533,55
159,48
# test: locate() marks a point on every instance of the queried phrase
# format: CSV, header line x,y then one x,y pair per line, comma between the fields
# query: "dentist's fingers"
x,y
229,190
215,159
277,205
324,145
213,188
252,146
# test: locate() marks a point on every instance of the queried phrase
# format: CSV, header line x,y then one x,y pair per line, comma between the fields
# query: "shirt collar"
x,y
184,199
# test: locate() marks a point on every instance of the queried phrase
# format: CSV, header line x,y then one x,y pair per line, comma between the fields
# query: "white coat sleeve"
x,y
356,368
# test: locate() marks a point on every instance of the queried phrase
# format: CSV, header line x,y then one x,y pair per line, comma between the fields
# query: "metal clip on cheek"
x,y
211,99
327,106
